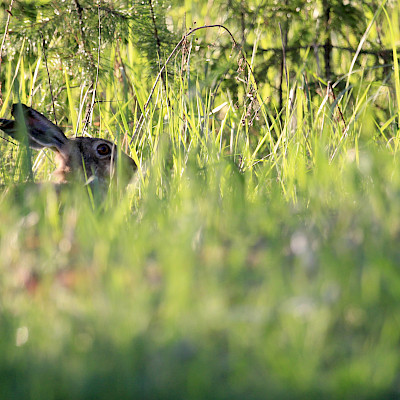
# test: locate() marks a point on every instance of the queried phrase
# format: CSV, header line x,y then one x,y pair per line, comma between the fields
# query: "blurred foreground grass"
x,y
220,288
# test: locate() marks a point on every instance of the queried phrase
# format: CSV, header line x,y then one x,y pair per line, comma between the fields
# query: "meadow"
x,y
254,255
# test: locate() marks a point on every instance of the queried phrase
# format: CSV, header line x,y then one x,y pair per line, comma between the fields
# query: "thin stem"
x,y
144,112
48,77
3,42
88,118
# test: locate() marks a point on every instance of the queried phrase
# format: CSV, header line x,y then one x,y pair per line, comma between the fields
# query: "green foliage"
x,y
69,32
254,255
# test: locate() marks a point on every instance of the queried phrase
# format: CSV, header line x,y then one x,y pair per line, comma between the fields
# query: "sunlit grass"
x,y
243,261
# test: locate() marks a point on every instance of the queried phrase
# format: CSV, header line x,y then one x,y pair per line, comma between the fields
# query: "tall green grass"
x,y
245,260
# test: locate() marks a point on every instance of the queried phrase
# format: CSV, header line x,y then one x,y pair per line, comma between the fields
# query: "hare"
x,y
78,158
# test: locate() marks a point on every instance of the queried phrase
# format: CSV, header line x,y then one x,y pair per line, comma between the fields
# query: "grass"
x,y
241,262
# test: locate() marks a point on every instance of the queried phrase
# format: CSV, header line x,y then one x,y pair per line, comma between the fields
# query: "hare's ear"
x,y
10,127
41,131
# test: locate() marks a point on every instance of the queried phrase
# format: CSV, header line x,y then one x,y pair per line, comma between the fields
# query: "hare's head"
x,y
77,158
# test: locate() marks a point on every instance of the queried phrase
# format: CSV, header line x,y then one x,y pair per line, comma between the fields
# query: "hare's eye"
x,y
103,149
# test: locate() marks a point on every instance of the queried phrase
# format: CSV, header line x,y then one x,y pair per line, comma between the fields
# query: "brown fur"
x,y
77,158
